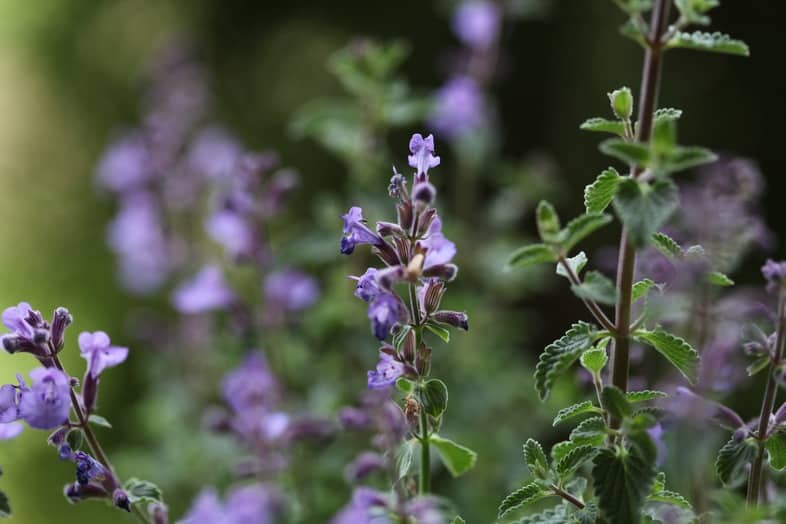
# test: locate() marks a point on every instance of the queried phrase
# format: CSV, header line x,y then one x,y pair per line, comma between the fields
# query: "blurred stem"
x,y
424,485
768,403
650,82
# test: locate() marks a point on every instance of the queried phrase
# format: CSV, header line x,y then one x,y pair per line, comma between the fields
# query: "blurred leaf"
x,y
531,255
434,397
535,459
644,395
666,113
776,448
75,439
548,223
602,125
632,153
98,420
758,365
582,226
598,287
404,456
644,208
5,506
405,385
634,6
582,408
142,490
717,278
594,360
642,288
715,42
560,354
681,158
599,194
457,459
693,10
675,349
667,245
526,494
732,460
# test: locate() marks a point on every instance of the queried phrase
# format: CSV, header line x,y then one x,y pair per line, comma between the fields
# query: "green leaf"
x,y
644,208
577,457
581,227
622,481
599,194
434,397
601,125
732,459
405,385
142,490
404,456
561,354
776,448
597,287
556,515
717,278
548,223
526,494
621,103
670,497
589,431
758,365
675,349
5,506
634,6
535,459
632,153
576,263
667,245
684,157
594,360
614,401
667,113
457,459
642,396
531,255
75,439
459,520
440,331
693,10
98,420
715,42
582,408
642,288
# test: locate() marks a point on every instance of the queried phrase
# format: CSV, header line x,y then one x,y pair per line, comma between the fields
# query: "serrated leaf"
x,y
526,494
645,208
581,227
634,6
142,490
98,420
667,113
675,349
714,42
535,458
457,459
622,482
5,506
681,158
597,287
548,223
632,153
576,263
732,459
602,125
404,456
642,288
615,403
556,515
531,255
441,332
693,11
594,360
589,431
582,408
577,457
599,194
667,245
644,395
776,449
670,497
434,397
716,278
561,354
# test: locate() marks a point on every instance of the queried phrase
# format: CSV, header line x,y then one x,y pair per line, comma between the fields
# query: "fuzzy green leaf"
x,y
142,490
642,288
589,431
615,403
405,385
531,255
602,125
644,208
667,245
577,457
535,459
594,360
597,287
632,153
434,397
599,194
548,223
457,459
667,113
681,158
670,497
622,482
576,263
582,408
561,354
634,6
675,349
776,449
459,520
98,420
581,227
642,396
732,459
715,42
526,494
716,278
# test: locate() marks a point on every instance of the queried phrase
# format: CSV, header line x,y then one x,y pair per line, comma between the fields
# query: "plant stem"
x,y
768,403
424,484
592,306
567,496
650,83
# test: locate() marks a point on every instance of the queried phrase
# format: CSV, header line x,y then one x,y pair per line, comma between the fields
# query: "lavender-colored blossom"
x,y
206,509
255,503
477,23
367,288
774,272
424,510
250,385
214,154
88,468
367,506
439,250
21,320
364,464
459,108
206,291
422,157
384,312
291,290
9,404
10,430
356,232
99,353
387,372
233,231
47,403
125,165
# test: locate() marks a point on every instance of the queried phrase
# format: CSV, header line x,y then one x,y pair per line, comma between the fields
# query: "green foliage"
x,y
633,7
621,103
561,354
644,208
602,125
98,420
776,449
526,494
459,520
405,385
142,491
594,360
615,402
434,397
582,408
576,264
598,287
659,493
675,349
75,439
667,245
732,460
644,395
457,459
535,459
581,227
548,223
714,42
599,194
574,459
531,255
562,514
693,10
717,278
632,153
642,288
442,332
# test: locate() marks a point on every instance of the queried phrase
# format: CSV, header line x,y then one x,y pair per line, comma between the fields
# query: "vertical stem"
x,y
768,403
424,484
650,83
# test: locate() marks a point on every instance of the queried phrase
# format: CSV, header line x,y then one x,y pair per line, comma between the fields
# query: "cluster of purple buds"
x,y
415,252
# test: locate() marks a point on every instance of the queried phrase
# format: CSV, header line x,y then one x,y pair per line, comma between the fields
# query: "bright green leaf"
x,y
535,459
622,482
632,153
405,385
684,157
645,208
531,255
98,420
675,349
776,449
601,125
614,401
526,494
667,245
548,223
582,408
561,354
440,331
574,460
715,42
581,227
621,103
457,459
594,359
599,194
717,278
642,396
642,288
666,113
142,490
758,365
434,397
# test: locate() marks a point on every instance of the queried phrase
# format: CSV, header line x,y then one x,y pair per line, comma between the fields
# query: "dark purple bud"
x,y
120,500
64,452
364,465
60,321
386,253
16,344
58,437
425,220
90,392
423,360
386,229
754,349
423,195
76,492
405,215
432,295
446,272
356,419
40,336
408,347
453,318
312,429
159,513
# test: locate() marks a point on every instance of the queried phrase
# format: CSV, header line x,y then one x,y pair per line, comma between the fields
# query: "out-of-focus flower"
x,y
459,108
257,503
47,403
10,430
125,165
250,385
206,291
477,23
233,231
367,506
774,273
214,154
291,290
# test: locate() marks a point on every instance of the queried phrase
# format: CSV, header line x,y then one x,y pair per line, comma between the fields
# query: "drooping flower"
x,y
422,157
477,23
356,231
291,289
250,385
99,353
206,291
47,403
384,312
387,372
459,108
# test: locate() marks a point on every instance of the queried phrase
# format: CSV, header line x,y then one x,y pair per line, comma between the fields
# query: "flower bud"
x,y
398,185
405,215
622,103
408,347
754,348
159,513
120,500
76,492
432,295
386,229
453,318
90,392
60,321
446,272
425,220
423,195
386,252
64,452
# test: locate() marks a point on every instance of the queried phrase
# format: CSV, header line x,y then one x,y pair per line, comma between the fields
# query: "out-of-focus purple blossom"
x,y
99,353
424,510
206,291
47,403
10,430
477,23
384,312
9,404
250,385
259,427
422,157
214,153
364,465
234,232
291,290
125,166
367,288
353,418
459,108
206,509
387,372
775,273
367,506
656,432
257,503
356,231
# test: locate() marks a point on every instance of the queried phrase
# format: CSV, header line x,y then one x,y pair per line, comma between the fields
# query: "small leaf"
x,y
685,157
758,365
715,42
531,255
582,408
75,439
434,397
576,263
561,354
459,520
601,125
405,385
440,331
634,6
526,494
675,349
667,113
599,194
589,431
622,481
732,459
631,153
548,223
535,459
776,448
404,456
581,227
642,396
670,497
615,403
98,420
456,458
642,288
574,460
142,490
644,208
5,506
667,245
594,359
717,278
597,287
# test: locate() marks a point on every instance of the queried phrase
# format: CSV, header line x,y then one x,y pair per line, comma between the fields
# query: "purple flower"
x,y
233,231
214,154
364,464
477,23
291,290
10,430
21,320
47,403
255,503
96,349
9,404
125,165
459,107
356,232
367,506
384,311
774,272
439,250
88,468
422,157
206,509
387,372
206,291
250,385
424,510
367,288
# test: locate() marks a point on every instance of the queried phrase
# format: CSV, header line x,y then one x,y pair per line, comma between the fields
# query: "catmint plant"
x,y
404,300
57,402
614,437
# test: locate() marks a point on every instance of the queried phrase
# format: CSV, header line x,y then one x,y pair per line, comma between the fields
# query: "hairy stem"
x,y
567,496
767,404
650,83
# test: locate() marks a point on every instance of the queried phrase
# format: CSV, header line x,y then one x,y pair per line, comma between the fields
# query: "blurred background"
x,y
75,74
